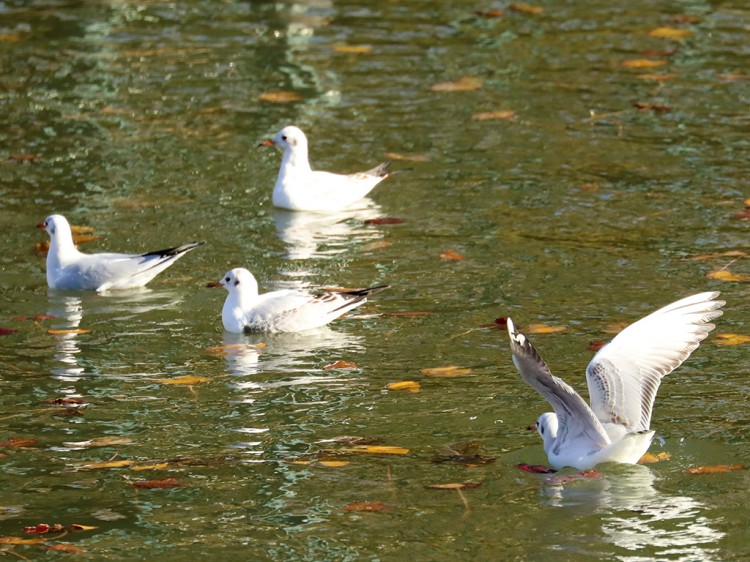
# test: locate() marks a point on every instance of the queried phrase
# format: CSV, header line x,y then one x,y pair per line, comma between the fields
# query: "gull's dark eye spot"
x,y
541,429
237,282
283,137
227,279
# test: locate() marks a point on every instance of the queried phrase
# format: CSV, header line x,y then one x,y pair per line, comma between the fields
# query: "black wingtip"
x,y
176,251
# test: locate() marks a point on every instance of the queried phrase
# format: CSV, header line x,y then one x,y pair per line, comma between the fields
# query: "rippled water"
x,y
142,120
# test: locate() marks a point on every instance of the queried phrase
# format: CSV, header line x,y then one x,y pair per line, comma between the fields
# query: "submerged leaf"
x,y
596,345
488,13
65,547
20,540
353,49
715,469
670,33
407,157
106,441
68,332
333,464
543,329
411,386
448,371
384,220
643,63
185,380
155,466
7,331
454,486
536,468
490,115
726,275
367,506
377,450
341,365
463,84
526,8
451,255
106,464
20,442
162,483
379,245
279,97
650,458
731,339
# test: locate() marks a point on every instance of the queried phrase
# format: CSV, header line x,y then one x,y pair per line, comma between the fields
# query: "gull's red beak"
x,y
532,427
214,284
41,225
267,142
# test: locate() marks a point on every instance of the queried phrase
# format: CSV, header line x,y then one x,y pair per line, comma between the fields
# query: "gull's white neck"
x,y
295,160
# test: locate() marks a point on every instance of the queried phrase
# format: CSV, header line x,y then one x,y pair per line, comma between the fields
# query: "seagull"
x,y
287,310
299,188
67,268
623,378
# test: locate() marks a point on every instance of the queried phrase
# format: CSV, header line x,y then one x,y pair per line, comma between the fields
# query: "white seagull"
x,y
299,188
287,310
623,378
67,268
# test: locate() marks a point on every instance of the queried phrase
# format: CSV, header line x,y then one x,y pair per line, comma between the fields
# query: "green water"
x,y
142,119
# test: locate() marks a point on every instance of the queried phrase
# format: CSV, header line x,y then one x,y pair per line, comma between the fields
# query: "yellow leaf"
x,y
106,441
411,386
107,464
20,540
542,329
446,372
279,97
298,462
726,275
333,464
670,33
66,332
78,229
455,486
10,37
463,84
407,157
79,527
526,8
186,379
377,450
747,202
716,469
650,458
731,339
657,77
643,63
157,466
487,115
355,49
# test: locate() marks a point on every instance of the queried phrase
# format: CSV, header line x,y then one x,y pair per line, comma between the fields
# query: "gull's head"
x,y
287,138
55,225
239,280
546,426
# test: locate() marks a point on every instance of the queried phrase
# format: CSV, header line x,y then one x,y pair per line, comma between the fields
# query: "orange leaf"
x,y
448,371
649,458
488,13
670,33
716,469
657,77
731,339
411,386
67,332
379,245
186,380
367,506
279,97
377,450
726,275
487,115
163,483
526,8
451,255
354,49
341,365
543,329
107,464
407,157
65,547
463,84
78,229
643,63
20,442
616,327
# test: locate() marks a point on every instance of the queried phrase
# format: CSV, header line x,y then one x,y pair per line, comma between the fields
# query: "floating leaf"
x,y
407,157
156,466
489,115
65,547
743,215
565,478
106,464
379,245
488,13
715,469
385,220
643,63
451,255
106,441
731,339
596,345
536,468
163,483
333,464
526,8
7,331
454,486
652,107
279,97
367,506
670,33
463,84
79,229
411,386
234,348
72,331
726,275
185,380
354,49
448,371
20,540
650,458
657,77
377,450
616,327
22,158
67,402
341,365
20,442
543,329
729,254
10,37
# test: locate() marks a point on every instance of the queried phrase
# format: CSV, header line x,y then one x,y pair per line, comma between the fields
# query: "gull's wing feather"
x,y
575,418
624,375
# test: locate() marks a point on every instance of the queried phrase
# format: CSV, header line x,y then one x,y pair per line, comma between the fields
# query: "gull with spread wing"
x,y
300,188
286,310
67,268
622,378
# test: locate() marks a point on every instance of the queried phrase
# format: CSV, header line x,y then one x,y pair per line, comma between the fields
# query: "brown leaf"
x,y
385,220
490,115
454,486
19,442
341,365
279,97
234,348
467,453
379,245
650,458
536,468
729,254
377,450
731,339
559,479
743,215
652,107
163,483
616,327
367,506
23,158
670,33
451,255
411,386
488,13
526,8
715,469
726,275
188,380
463,84
353,49
65,547
643,63
407,157
596,345
449,371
